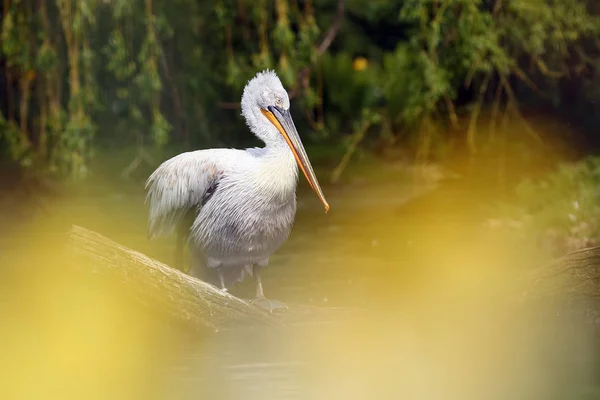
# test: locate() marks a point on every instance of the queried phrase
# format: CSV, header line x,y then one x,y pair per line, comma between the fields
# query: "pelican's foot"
x,y
268,305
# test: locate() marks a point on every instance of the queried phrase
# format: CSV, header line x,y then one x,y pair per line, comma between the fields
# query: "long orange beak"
x,y
282,120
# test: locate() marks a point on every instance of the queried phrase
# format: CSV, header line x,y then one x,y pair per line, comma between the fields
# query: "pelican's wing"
x,y
179,185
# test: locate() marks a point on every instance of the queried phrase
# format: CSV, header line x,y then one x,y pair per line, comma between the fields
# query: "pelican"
x,y
235,207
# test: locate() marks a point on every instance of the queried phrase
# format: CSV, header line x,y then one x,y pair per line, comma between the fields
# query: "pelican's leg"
x,y
260,294
260,300
222,279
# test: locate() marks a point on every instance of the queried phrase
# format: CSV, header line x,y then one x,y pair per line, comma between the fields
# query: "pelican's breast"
x,y
244,221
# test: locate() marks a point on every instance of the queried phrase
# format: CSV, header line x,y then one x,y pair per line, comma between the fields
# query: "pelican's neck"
x,y
277,171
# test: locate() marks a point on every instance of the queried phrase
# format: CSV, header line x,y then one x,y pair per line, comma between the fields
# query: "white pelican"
x,y
235,207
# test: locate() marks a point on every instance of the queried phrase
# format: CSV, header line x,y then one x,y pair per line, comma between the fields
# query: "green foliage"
x,y
73,151
96,73
16,43
17,149
355,90
416,91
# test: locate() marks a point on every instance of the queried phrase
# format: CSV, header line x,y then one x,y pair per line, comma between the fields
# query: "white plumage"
x,y
236,207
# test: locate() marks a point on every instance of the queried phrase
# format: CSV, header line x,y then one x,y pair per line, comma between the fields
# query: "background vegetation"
x,y
83,79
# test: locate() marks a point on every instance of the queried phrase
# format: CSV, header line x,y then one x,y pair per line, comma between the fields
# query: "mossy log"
x,y
201,305
185,298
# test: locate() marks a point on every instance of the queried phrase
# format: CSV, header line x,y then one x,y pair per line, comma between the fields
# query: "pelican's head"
x,y
266,107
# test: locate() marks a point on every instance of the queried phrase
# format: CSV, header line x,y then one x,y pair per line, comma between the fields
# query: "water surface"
x,y
390,296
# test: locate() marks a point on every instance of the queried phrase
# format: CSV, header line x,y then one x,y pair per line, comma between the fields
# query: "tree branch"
x,y
543,68
303,74
519,73
186,299
512,100
177,103
302,80
333,29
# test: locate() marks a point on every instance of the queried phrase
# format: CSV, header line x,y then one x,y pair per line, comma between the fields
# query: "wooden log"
x,y
185,298
201,305
569,285
575,274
